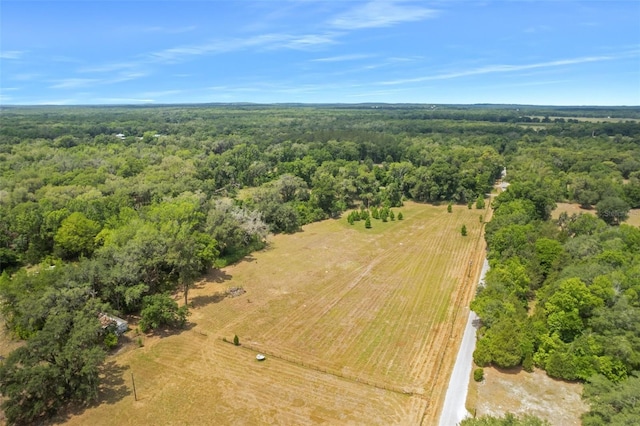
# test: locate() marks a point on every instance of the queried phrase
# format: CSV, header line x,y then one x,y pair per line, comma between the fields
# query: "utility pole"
x,y
135,395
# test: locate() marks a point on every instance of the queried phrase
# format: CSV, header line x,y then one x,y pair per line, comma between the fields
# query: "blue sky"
x,y
154,52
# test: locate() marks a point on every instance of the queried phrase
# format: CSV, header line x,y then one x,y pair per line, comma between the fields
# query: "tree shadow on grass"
x,y
511,370
165,331
213,275
200,301
112,389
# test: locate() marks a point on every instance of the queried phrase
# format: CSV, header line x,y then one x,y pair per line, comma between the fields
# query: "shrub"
x,y
159,310
111,340
527,363
478,374
384,214
479,202
400,217
470,204
367,223
236,340
463,231
449,207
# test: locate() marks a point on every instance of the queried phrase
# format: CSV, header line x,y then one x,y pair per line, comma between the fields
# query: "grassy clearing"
x,y
519,392
359,325
570,208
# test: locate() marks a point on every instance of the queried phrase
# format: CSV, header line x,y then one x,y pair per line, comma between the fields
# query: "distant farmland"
x,y
359,326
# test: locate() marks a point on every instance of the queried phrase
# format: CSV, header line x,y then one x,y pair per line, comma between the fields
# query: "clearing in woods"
x,y
359,326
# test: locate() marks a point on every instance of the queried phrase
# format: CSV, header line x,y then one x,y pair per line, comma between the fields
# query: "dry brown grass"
x,y
519,392
360,326
570,208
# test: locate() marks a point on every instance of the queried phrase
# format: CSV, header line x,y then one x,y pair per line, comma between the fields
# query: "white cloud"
x,y
380,13
266,41
341,58
493,69
116,66
124,76
73,83
160,94
11,54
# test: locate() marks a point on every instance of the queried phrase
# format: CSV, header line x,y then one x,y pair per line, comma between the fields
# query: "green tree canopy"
x,y
76,236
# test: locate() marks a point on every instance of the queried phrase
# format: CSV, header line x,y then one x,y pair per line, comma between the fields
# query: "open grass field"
x,y
633,220
359,327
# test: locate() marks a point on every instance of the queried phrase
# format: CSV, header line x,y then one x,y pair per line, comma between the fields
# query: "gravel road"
x,y
454,411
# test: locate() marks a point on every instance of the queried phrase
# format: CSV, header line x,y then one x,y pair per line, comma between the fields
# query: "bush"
x,y
236,340
478,374
159,310
463,231
367,223
482,354
480,203
527,363
449,207
111,340
400,217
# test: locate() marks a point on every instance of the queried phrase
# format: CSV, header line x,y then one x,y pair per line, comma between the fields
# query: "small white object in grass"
x,y
260,357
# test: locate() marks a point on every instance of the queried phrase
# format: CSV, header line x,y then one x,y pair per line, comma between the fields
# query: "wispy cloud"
x,y
494,69
341,58
265,41
116,66
65,59
11,54
25,76
380,13
160,94
73,83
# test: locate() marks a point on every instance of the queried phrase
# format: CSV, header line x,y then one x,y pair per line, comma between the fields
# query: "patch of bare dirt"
x,y
519,392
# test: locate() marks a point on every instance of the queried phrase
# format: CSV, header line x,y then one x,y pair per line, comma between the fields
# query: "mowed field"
x,y
359,327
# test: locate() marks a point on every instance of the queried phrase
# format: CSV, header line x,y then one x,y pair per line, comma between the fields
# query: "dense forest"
x,y
114,209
